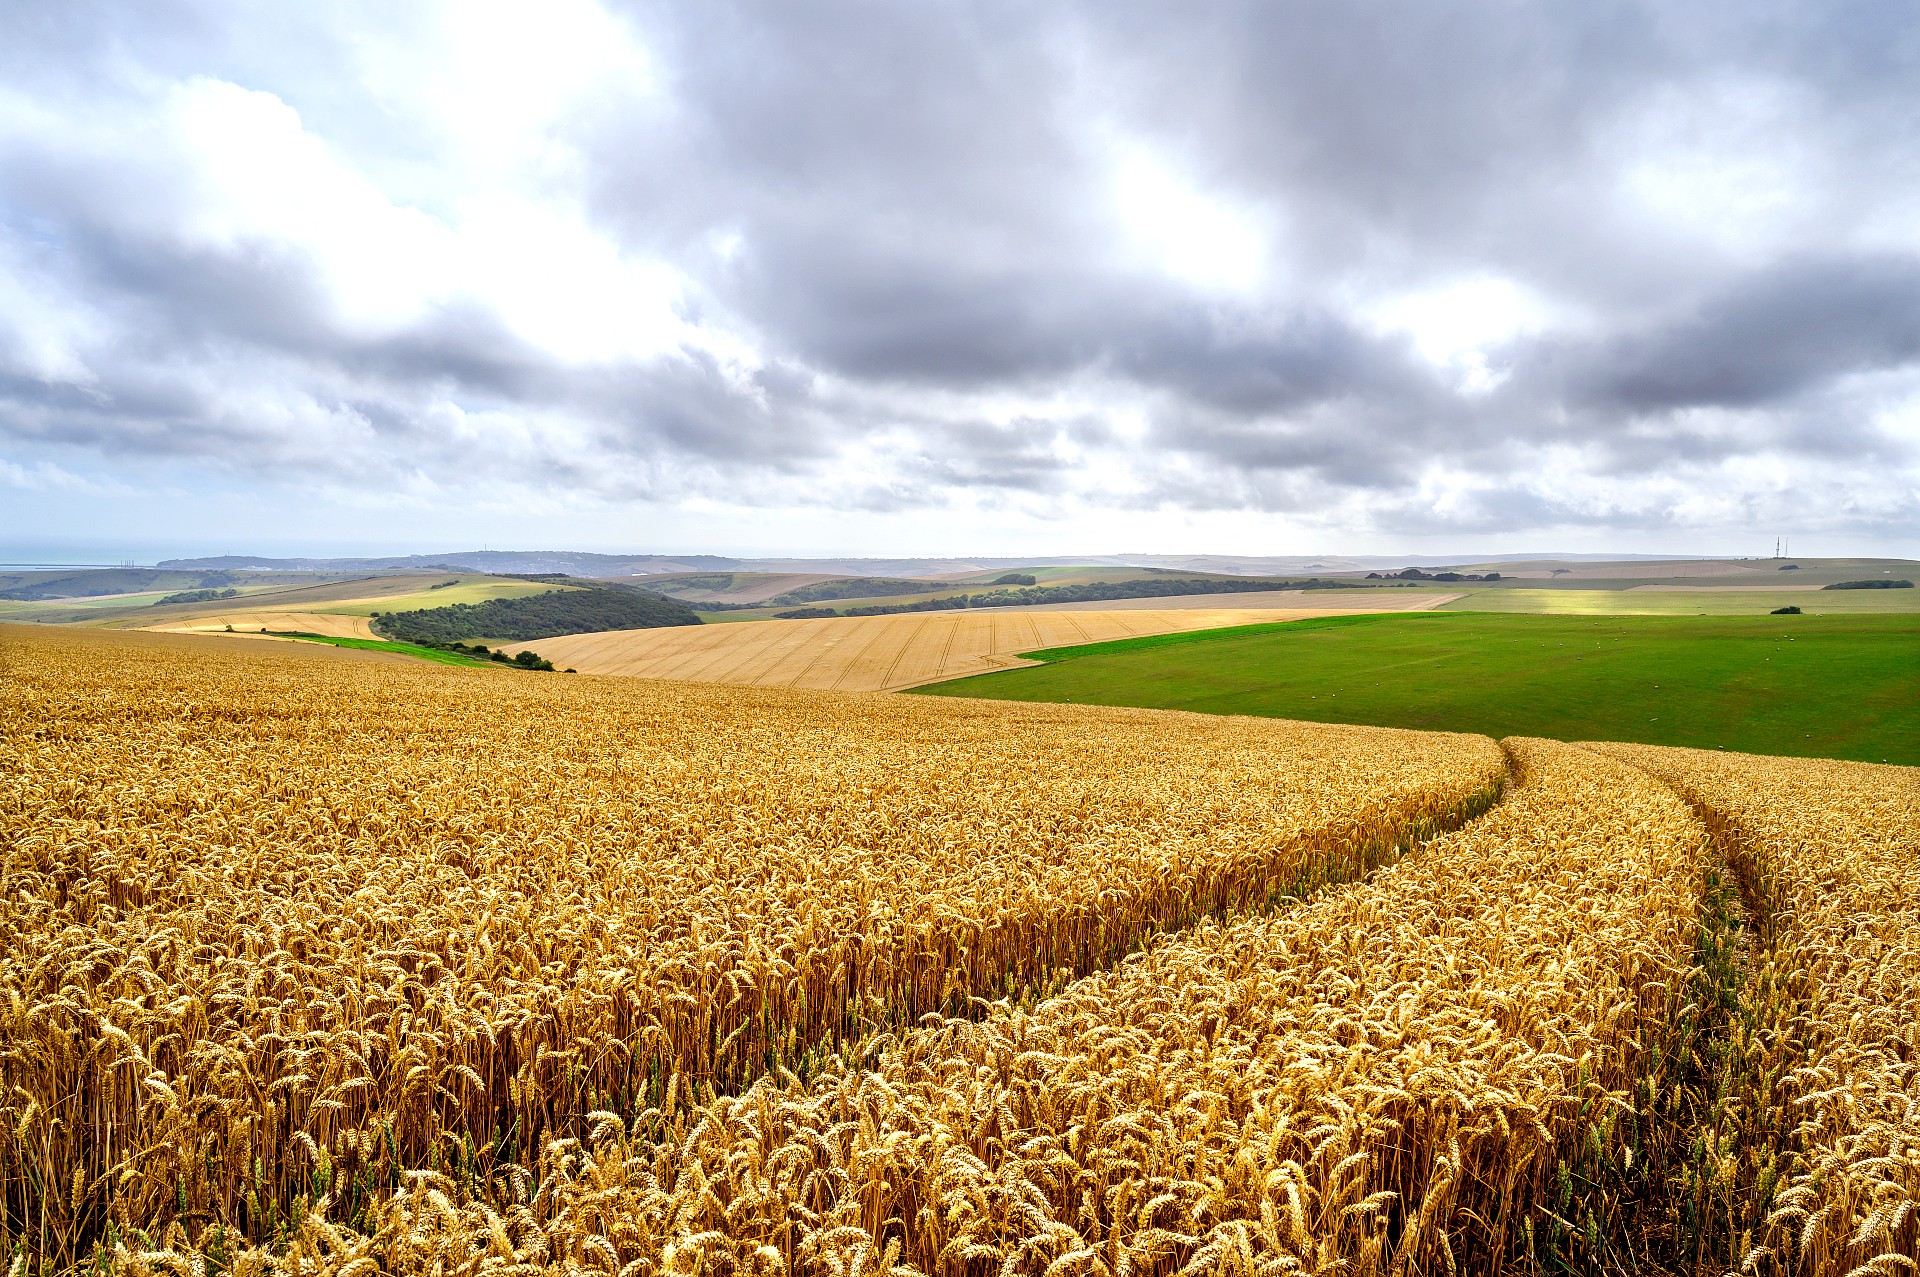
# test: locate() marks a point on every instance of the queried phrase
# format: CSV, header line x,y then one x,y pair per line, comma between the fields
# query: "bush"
x,y
1785,611
1015,578
1882,584
480,651
195,596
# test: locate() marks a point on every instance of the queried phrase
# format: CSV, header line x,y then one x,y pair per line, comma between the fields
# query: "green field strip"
x,y
1821,686
381,645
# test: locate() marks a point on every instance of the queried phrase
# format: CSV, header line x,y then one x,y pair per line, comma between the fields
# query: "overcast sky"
x,y
927,277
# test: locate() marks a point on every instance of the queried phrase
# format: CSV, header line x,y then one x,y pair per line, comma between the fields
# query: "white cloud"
x,y
43,329
1726,167
492,83
1177,228
1457,326
44,476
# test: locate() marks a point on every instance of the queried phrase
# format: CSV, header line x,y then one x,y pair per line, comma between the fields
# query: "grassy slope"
x,y
402,649
1827,686
279,594
471,589
36,609
358,596
968,587
746,587
141,607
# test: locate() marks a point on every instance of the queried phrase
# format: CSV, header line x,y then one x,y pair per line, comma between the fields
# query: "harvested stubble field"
x,y
872,653
292,940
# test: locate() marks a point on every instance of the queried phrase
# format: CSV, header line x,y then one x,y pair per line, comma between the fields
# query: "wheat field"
x,y
1817,1149
315,966
1423,1058
285,932
875,653
1406,1075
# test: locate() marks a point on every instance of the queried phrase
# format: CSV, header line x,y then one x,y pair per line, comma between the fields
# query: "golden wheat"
x,y
1828,1118
286,932
1400,1076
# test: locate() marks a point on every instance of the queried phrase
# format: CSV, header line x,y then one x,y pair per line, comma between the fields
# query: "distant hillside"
x,y
536,616
582,563
95,583
1225,564
1092,592
856,587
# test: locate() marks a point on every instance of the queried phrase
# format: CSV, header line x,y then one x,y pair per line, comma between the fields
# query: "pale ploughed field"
x,y
886,653
332,625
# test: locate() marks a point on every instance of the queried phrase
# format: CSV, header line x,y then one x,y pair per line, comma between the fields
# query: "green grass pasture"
x,y
476,589
402,649
1822,686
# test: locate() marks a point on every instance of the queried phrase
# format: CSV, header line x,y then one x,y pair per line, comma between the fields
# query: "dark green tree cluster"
x,y
700,581
853,587
1882,584
536,616
195,596
1415,574
480,651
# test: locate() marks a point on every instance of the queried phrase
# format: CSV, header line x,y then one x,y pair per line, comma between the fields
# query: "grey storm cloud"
x,y
909,264
1768,336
